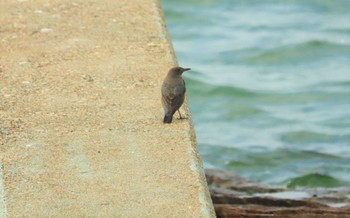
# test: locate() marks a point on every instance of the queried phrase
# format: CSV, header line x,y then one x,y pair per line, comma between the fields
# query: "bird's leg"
x,y
180,115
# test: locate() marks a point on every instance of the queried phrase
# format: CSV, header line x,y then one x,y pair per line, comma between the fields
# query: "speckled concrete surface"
x,y
80,114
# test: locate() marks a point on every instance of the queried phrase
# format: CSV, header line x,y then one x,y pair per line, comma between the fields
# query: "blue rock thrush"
x,y
173,92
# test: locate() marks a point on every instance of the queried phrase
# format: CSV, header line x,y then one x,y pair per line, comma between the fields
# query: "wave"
x,y
207,89
304,52
339,30
306,137
302,137
314,180
256,157
341,84
200,88
223,100
281,166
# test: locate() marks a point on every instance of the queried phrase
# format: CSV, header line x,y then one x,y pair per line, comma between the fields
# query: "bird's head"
x,y
177,71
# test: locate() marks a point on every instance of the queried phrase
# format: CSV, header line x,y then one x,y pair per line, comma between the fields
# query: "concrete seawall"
x,y
81,130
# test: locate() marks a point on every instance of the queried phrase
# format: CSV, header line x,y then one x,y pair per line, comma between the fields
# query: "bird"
x,y
173,92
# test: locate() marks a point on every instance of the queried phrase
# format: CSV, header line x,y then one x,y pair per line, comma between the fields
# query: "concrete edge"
x,y
207,208
3,209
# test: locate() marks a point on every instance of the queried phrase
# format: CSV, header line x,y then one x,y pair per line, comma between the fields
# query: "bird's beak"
x,y
186,69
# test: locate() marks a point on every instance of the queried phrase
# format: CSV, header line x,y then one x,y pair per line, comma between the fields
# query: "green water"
x,y
270,86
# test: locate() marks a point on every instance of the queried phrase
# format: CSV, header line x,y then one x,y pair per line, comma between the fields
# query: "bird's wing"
x,y
173,101
184,85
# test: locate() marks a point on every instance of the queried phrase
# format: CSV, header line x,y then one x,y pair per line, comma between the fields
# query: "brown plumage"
x,y
173,92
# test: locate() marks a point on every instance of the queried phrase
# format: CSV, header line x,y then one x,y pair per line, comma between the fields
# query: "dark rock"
x,y
226,198
234,196
231,211
232,181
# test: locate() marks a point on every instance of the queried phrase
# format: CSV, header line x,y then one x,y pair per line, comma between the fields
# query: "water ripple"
x,y
270,85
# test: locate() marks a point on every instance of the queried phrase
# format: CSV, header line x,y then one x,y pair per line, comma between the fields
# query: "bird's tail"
x,y
168,118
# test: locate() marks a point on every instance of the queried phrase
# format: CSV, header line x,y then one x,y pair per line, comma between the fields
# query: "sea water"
x,y
270,86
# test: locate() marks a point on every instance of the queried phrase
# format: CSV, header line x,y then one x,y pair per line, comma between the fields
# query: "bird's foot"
x,y
182,118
